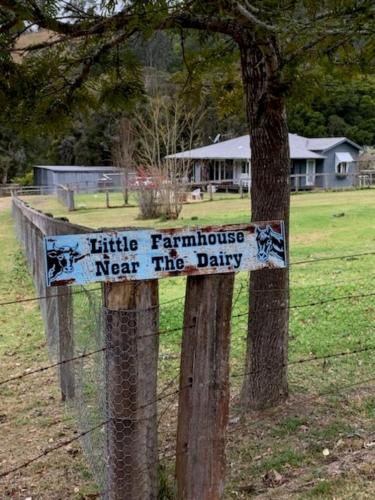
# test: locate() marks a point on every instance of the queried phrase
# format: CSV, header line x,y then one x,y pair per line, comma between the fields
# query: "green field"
x,y
290,439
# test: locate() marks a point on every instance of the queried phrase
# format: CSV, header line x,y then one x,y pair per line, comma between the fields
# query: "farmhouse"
x,y
319,162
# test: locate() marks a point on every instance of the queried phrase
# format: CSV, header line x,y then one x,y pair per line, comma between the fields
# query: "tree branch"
x,y
121,20
253,19
94,58
7,25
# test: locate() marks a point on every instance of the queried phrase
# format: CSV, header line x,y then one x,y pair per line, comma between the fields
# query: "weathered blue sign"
x,y
150,254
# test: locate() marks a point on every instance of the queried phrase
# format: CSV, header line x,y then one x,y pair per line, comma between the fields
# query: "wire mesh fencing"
x,y
124,365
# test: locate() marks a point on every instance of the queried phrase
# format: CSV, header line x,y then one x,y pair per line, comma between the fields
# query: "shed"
x,y
78,178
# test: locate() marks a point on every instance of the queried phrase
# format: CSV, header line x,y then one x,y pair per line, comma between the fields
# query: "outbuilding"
x,y
78,178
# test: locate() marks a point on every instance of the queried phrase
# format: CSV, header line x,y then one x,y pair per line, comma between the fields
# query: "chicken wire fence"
x,y
111,352
111,386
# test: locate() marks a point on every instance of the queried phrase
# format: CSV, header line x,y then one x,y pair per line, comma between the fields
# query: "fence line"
x,y
103,349
75,292
122,356
31,227
67,442
65,195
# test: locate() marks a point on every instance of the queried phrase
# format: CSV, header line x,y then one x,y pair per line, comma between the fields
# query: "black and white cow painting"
x,y
60,260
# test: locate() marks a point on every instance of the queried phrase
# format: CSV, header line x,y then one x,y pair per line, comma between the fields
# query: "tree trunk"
x,y
265,383
126,187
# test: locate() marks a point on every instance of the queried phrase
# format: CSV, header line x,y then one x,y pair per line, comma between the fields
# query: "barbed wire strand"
x,y
54,365
49,450
72,292
334,257
46,297
67,442
302,361
308,304
158,333
102,349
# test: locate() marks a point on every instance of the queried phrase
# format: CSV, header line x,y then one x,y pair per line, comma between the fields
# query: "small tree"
x,y
165,127
123,153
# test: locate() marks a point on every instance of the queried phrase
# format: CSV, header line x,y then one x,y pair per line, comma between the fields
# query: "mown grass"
x,y
32,416
289,439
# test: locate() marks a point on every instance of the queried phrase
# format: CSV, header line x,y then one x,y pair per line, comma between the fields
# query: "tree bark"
x,y
204,388
265,383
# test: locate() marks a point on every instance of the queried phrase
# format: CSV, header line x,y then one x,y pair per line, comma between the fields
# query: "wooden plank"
x,y
64,304
118,255
57,309
131,322
204,388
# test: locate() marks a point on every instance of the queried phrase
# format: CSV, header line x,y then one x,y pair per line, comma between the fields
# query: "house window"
x,y
342,168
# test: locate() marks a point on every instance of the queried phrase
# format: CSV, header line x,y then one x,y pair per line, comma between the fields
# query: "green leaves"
x,y
120,93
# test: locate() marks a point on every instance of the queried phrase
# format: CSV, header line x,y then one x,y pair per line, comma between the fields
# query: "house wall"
x,y
332,181
298,167
43,177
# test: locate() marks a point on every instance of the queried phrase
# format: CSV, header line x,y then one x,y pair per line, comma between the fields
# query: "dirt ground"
x,y
4,203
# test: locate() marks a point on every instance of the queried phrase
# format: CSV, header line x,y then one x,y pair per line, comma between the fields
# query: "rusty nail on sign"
x,y
152,254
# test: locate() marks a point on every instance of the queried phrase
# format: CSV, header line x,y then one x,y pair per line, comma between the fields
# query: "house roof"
x,y
77,168
326,143
239,148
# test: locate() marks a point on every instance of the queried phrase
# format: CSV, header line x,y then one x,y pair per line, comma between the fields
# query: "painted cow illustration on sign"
x,y
269,244
60,260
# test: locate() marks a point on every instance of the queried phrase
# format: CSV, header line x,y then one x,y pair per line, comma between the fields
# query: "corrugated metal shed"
x,y
78,168
77,177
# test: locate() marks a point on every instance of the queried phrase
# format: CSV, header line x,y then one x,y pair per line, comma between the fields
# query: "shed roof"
x,y
77,168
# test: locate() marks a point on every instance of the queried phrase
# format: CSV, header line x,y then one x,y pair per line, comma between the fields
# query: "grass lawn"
x,y
276,454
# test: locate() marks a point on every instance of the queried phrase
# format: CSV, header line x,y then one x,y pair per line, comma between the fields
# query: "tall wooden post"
x,y
70,197
131,323
64,302
204,388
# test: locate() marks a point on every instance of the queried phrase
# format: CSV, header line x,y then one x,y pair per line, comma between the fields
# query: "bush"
x,y
159,196
24,180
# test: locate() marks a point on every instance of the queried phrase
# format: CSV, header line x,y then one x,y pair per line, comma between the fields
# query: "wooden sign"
x,y
152,254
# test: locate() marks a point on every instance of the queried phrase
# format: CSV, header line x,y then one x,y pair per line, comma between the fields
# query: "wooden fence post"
x,y
107,198
64,302
70,197
204,388
132,342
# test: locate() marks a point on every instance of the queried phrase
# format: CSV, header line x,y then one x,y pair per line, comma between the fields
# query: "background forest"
x,y
83,130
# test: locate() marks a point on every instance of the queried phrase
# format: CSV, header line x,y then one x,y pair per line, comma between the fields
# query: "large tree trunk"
x,y
265,382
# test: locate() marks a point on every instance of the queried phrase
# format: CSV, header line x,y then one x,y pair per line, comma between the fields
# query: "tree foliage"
x,y
344,108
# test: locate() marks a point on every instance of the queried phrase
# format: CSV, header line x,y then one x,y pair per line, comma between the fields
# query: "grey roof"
x,y
239,148
326,143
77,168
